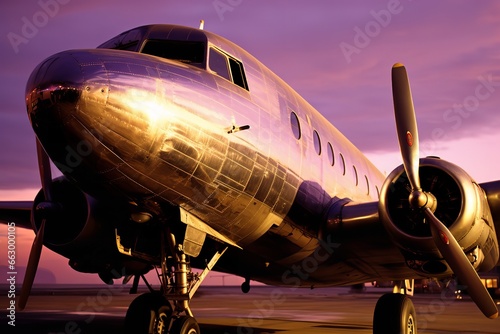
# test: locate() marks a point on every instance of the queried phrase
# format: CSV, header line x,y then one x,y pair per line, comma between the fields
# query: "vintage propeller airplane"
x,y
180,150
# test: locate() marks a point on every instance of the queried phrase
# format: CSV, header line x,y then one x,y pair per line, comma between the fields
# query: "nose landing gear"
x,y
167,311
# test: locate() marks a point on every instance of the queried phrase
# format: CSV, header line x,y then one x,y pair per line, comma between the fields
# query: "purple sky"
x,y
336,54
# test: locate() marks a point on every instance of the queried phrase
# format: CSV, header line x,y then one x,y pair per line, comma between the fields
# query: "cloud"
x,y
445,46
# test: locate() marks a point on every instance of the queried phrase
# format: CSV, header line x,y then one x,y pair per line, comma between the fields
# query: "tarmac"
x,y
226,310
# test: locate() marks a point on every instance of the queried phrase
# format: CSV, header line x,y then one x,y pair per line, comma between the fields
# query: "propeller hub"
x,y
417,199
421,200
47,209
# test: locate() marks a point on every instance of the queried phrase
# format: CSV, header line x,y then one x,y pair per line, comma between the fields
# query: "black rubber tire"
x,y
245,287
394,314
185,325
149,313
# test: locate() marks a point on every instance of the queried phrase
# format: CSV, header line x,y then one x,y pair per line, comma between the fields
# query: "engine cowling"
x,y
69,219
80,227
462,207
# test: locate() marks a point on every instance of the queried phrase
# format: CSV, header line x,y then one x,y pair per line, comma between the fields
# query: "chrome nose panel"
x,y
53,90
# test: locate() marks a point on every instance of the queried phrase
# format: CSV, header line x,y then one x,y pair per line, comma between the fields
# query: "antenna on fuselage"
x,y
202,24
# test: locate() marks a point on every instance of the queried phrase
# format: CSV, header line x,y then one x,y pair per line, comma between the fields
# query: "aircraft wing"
x,y
16,211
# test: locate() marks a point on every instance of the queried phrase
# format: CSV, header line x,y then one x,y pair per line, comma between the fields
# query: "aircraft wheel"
x,y
149,313
394,314
185,325
245,287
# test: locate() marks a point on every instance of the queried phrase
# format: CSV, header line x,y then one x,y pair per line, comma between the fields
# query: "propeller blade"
x,y
461,266
36,248
450,249
29,277
44,169
406,124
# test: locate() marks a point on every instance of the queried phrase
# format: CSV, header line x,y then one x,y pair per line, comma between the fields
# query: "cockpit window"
x,y
218,63
237,73
126,41
187,52
227,67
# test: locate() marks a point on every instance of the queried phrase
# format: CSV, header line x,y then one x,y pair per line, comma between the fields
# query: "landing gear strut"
x,y
395,314
167,311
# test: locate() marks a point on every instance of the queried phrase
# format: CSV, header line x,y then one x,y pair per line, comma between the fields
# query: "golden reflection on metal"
x,y
161,135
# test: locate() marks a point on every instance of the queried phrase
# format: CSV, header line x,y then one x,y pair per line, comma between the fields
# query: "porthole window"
x,y
342,162
331,156
294,122
317,142
355,171
367,185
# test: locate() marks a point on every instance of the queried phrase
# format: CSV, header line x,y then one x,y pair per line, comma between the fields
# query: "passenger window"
x,y
343,163
317,142
356,181
218,64
331,156
295,124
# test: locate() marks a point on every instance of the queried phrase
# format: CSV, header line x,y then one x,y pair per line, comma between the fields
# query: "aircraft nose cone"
x,y
53,90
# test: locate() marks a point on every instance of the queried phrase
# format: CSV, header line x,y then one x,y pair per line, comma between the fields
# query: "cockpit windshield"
x,y
128,40
188,52
182,44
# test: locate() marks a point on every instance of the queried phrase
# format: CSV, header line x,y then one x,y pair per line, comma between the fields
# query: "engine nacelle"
x,y
461,206
82,229
79,228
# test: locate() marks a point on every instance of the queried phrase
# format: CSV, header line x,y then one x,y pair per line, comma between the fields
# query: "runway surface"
x,y
226,310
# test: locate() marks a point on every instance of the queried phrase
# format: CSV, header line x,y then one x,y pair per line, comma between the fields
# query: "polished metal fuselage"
x,y
158,131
